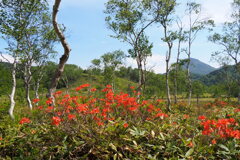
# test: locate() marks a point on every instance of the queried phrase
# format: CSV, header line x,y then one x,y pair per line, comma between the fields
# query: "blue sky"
x,y
89,37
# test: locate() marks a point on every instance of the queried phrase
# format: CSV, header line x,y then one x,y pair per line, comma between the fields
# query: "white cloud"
x,y
6,58
218,10
155,63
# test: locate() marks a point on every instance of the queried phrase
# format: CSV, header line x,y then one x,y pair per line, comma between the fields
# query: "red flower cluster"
x,y
224,128
101,108
49,101
56,121
237,110
217,103
57,93
82,86
186,116
35,100
71,116
24,120
201,118
161,115
125,125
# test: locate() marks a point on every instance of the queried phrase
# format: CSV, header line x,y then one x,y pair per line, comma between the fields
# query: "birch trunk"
x,y
14,84
176,73
140,72
189,82
168,57
167,85
37,89
189,56
27,80
238,71
28,97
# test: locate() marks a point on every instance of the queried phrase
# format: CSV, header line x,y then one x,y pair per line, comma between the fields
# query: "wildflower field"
x,y
90,123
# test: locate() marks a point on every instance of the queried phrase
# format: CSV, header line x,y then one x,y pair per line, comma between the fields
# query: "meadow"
x,y
90,123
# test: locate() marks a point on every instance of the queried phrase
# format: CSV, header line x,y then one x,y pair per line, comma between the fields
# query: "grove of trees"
x,y
31,34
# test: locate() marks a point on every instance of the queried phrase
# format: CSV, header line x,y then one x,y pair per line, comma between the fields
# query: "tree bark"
x,y
27,80
64,57
189,80
176,73
168,57
38,85
14,84
238,70
141,74
36,90
167,86
189,61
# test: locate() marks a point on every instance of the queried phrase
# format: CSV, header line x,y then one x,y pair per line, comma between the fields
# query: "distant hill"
x,y
199,68
219,75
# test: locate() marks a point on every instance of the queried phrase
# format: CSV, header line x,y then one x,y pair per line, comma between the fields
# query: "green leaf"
x,y
115,156
189,152
162,136
223,147
113,147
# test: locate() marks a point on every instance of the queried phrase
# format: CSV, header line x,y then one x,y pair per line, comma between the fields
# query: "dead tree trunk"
x,y
64,57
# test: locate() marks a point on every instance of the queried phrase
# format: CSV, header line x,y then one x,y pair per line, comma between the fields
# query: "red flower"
x,y
214,141
71,116
24,120
201,118
190,144
185,116
94,111
82,86
67,96
100,123
82,108
108,86
237,110
40,107
159,100
49,101
148,119
58,92
132,109
1,138
161,115
125,125
49,108
56,121
36,100
59,113
93,89
132,87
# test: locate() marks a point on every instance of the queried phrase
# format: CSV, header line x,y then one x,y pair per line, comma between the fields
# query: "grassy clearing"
x,y
89,123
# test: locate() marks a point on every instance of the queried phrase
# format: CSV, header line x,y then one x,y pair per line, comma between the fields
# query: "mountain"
x,y
219,75
199,68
